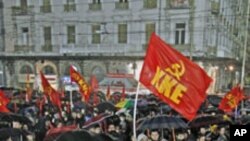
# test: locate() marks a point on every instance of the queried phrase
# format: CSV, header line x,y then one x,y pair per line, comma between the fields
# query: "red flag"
x,y
83,86
50,92
3,102
231,99
94,83
123,96
108,93
173,78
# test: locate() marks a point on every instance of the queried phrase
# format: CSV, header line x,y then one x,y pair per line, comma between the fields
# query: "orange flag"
x,y
83,86
3,102
232,99
28,88
50,92
173,78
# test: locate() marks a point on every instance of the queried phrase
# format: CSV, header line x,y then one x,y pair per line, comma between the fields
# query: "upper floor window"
x,y
47,35
71,34
25,36
23,4
180,33
122,5
70,6
46,7
26,70
149,4
150,28
48,70
122,33
95,5
96,34
179,3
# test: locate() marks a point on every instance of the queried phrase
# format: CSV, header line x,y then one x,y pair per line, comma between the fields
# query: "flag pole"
x,y
244,53
135,107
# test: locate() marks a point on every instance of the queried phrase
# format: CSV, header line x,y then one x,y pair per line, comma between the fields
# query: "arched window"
x,y
26,69
48,70
98,72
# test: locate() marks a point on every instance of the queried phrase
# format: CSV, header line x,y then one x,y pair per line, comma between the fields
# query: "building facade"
x,y
207,31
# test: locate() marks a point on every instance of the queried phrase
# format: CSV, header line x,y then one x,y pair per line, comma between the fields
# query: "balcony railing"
x,y
69,7
23,48
95,6
25,10
109,49
45,9
121,6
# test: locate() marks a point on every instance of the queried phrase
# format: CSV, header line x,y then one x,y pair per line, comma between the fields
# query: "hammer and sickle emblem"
x,y
177,70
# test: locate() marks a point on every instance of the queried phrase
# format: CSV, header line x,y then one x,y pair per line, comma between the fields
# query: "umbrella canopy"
x,y
77,135
206,120
6,133
214,100
10,117
96,120
162,122
53,133
102,107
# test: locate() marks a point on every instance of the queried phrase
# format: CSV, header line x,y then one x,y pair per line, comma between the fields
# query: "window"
x,y
71,34
121,5
70,6
24,4
150,28
149,4
25,69
46,7
25,35
96,34
180,33
122,33
95,5
47,35
48,70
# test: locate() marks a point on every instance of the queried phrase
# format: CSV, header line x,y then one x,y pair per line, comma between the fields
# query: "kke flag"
x,y
231,99
173,78
83,86
3,102
50,92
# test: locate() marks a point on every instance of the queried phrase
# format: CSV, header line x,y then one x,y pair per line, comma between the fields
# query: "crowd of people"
x,y
39,120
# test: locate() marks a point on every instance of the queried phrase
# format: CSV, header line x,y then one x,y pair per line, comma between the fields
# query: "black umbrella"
x,y
214,100
206,120
103,137
77,135
10,117
162,122
6,133
102,107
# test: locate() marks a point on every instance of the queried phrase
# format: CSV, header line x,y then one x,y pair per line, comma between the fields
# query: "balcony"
x,y
184,48
95,6
121,6
215,7
20,11
45,9
69,7
104,49
23,48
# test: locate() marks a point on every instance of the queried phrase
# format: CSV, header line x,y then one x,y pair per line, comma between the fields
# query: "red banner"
x,y
50,92
231,99
3,102
83,86
173,78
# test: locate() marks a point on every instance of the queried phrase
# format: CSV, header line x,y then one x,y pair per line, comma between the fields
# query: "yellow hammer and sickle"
x,y
1,103
176,70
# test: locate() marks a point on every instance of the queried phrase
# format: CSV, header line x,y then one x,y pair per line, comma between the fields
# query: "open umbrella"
x,y
53,133
102,107
10,117
14,133
125,104
77,135
96,120
162,122
214,100
206,120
